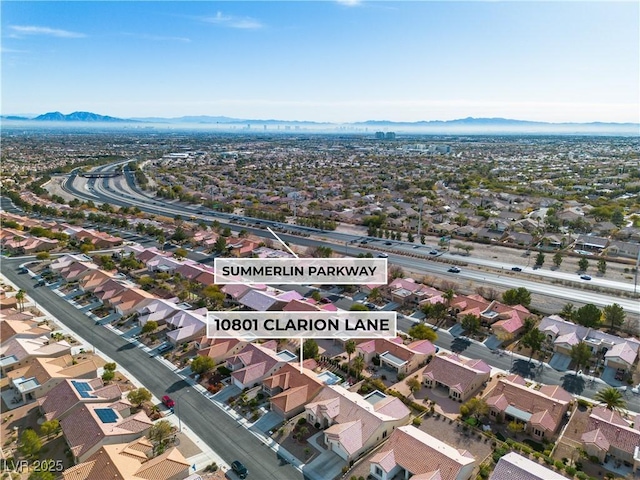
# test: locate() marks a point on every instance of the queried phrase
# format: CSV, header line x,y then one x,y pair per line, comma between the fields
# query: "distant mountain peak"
x,y
77,117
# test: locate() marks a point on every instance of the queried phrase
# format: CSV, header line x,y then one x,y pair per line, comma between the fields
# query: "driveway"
x,y
560,362
268,422
327,466
227,392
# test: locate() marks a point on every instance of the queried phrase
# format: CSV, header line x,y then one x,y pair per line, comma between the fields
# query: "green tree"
x,y
568,311
557,259
517,296
540,259
533,340
43,256
159,433
375,296
588,316
476,407
414,384
202,364
448,297
316,295
30,443
180,253
614,315
150,326
221,245
49,427
110,366
470,323
617,218
310,348
139,396
580,355
611,398
602,266
108,375
515,426
358,307
420,331
41,475
583,264
410,237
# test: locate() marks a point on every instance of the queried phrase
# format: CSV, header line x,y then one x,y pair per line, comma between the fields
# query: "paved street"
x,y
223,434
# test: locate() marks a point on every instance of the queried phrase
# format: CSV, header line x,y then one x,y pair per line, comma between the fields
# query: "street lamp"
x,y
177,412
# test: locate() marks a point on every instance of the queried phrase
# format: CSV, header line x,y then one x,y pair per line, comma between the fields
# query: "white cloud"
x,y
231,21
21,30
349,3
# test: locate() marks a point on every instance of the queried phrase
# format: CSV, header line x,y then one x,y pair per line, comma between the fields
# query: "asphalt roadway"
x,y
221,432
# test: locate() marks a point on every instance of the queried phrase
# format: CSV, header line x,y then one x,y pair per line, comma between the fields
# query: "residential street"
x,y
222,433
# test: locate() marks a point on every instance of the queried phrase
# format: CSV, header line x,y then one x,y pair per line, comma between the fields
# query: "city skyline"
x,y
327,61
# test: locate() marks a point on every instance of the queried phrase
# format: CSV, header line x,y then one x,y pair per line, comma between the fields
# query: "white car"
x,y
636,389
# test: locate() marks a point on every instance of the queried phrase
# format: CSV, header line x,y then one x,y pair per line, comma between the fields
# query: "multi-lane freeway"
x,y
123,190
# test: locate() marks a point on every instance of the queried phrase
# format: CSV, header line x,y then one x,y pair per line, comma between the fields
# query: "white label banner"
x,y
302,324
295,271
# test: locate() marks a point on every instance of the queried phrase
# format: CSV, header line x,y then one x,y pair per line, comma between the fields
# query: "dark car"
x,y
516,269
22,270
388,243
239,469
585,277
454,270
433,252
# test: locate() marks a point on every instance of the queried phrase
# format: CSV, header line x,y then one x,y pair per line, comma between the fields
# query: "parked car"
x,y
239,469
454,270
168,402
164,347
636,389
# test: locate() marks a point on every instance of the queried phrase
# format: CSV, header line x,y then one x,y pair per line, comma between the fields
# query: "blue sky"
x,y
339,61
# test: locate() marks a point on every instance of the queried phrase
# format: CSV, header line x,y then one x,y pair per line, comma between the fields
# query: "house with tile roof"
x,y
157,310
41,375
541,410
129,300
608,434
21,350
260,301
220,349
64,397
408,291
255,362
290,390
130,461
354,424
461,377
516,467
21,324
93,425
94,279
412,453
186,325
163,263
76,270
395,355
617,352
66,260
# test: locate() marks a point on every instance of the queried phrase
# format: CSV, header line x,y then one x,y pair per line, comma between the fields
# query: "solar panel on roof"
x,y
107,415
83,389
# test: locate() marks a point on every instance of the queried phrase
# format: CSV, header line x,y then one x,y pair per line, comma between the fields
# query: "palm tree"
x,y
350,348
20,299
358,365
448,296
611,397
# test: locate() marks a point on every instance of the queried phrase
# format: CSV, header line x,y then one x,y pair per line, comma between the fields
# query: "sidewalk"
x,y
201,460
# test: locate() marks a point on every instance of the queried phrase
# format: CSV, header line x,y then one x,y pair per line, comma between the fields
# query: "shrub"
x,y
559,465
571,471
302,421
417,421
583,403
548,460
582,475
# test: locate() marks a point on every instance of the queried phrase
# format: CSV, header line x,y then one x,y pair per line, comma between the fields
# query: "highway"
x,y
222,433
123,191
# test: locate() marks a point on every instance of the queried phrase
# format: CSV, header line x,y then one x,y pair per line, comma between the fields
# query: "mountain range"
x,y
463,125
